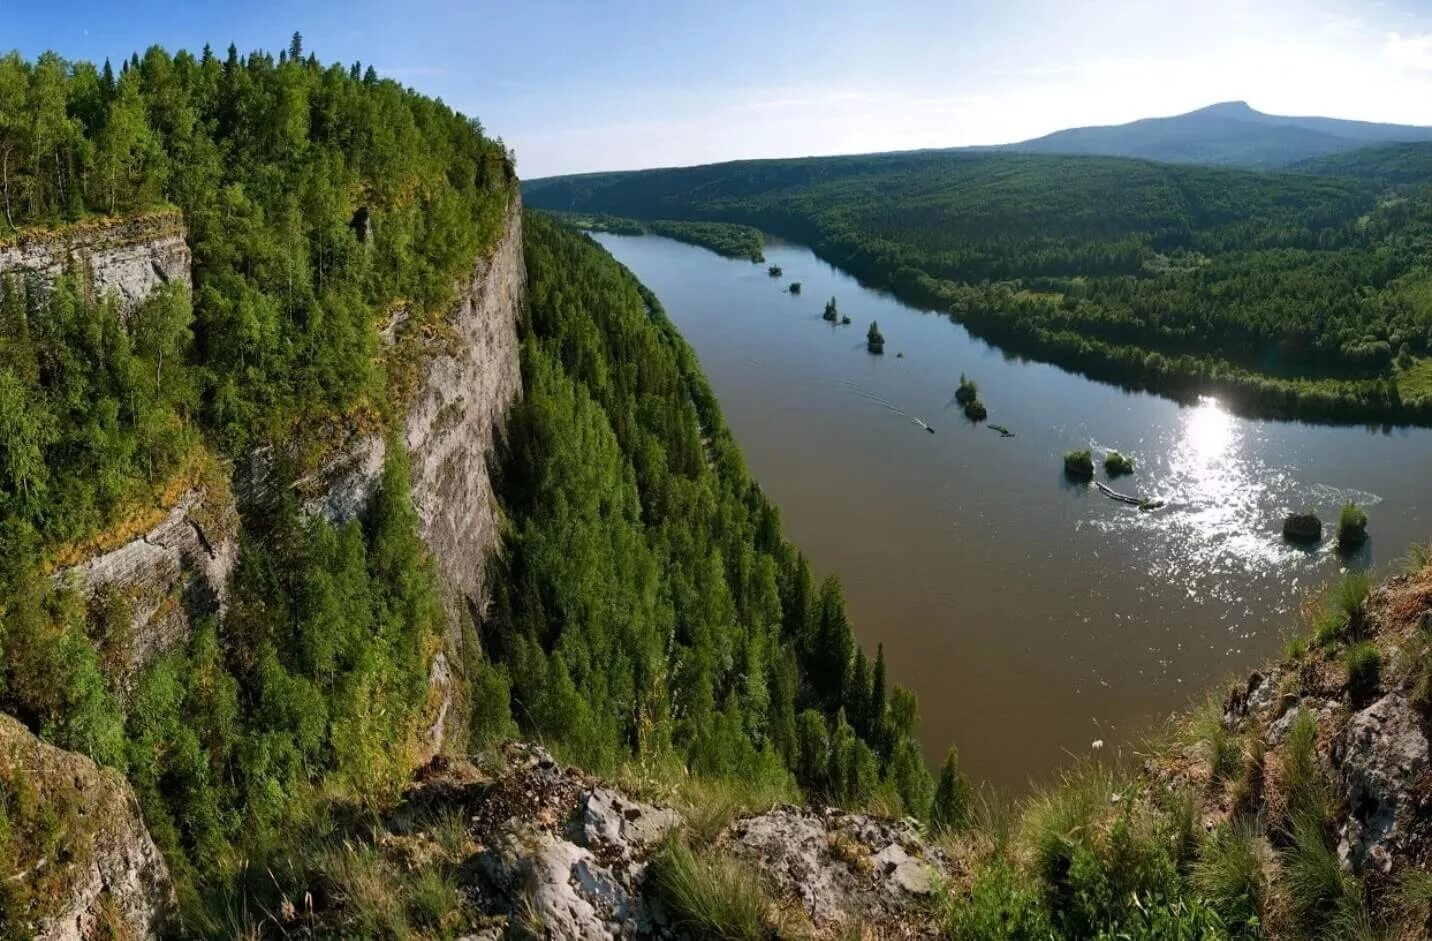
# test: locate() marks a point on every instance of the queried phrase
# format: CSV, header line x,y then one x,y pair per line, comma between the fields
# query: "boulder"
x,y
844,868
1382,761
89,869
1302,527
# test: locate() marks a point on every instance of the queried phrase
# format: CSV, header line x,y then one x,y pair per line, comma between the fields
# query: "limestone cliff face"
x,y
470,378
96,873
130,257
174,573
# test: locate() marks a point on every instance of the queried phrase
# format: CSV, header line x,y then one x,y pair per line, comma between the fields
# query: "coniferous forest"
x,y
1292,294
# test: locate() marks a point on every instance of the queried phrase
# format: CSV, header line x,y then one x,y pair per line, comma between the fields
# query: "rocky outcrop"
x,y
847,869
545,851
80,851
166,578
469,380
130,257
1382,761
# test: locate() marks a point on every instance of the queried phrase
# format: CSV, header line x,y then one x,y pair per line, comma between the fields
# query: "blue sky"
x,y
594,85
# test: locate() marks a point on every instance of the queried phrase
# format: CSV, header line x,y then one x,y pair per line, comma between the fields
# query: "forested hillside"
x,y
648,605
319,202
1289,294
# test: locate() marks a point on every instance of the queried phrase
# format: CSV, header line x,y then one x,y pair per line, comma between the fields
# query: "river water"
x,y
1032,615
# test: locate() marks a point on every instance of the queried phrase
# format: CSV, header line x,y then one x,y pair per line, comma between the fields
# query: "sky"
x,y
587,85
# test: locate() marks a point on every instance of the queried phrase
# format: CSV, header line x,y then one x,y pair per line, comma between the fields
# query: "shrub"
x,y
1352,526
968,390
1116,464
1363,662
1079,463
975,410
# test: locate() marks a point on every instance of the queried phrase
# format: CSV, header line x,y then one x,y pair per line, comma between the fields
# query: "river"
x,y
1032,615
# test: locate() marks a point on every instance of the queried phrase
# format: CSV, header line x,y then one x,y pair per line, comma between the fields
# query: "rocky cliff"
x,y
88,868
130,256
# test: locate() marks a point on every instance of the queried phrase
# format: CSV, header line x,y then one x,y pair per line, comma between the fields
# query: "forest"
x,y
723,238
649,609
1298,294
648,604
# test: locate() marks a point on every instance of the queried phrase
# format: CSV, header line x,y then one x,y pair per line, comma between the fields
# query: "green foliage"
x,y
874,340
967,391
1352,526
1284,293
646,600
1116,464
1338,615
1079,462
951,810
1229,875
1002,906
315,201
1363,662
714,896
723,238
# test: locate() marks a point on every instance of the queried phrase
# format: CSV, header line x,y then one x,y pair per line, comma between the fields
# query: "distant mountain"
x,y
1229,133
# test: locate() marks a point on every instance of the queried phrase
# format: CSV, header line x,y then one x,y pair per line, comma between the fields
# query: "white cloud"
x,y
1413,52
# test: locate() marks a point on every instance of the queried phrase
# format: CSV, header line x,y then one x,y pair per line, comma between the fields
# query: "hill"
x,y
1229,133
1288,294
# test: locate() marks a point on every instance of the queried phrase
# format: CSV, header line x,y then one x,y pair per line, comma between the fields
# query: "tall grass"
x,y
1230,875
1338,614
715,896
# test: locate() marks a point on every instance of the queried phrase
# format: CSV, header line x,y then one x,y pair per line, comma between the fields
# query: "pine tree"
x,y
295,47
951,808
879,735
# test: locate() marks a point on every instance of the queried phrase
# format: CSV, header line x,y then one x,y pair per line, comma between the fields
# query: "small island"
x,y
774,271
874,342
1116,464
967,392
832,313
1079,463
1352,526
1302,527
975,410
795,287
844,320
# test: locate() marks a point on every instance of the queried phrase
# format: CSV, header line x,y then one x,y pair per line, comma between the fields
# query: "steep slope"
x,y
1230,134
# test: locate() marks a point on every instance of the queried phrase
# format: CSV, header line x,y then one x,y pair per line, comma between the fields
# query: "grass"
x,y
1301,777
1352,526
1363,662
715,896
1116,464
1079,462
1322,899
1338,613
1230,873
1059,817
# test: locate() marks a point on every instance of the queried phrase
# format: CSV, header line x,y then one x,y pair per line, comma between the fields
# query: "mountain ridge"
x,y
1226,133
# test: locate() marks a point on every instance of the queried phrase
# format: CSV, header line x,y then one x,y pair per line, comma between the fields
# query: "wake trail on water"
x,y
876,399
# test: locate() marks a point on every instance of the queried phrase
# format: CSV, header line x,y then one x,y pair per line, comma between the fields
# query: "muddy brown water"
x,y
1032,615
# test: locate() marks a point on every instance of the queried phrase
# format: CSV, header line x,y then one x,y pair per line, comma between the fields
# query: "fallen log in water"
x,y
1140,502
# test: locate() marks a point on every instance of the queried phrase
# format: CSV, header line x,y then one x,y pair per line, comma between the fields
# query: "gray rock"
x,y
625,826
130,258
170,576
1381,756
844,868
108,867
565,893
